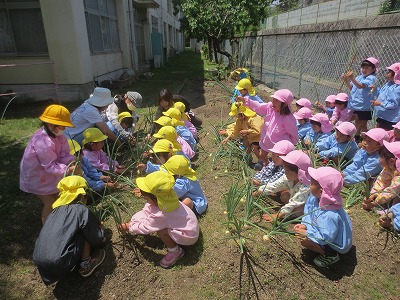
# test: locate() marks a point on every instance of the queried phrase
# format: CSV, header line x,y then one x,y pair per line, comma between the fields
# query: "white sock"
x,y
175,249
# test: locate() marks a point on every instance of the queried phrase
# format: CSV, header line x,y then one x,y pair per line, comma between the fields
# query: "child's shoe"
x,y
323,260
171,258
95,261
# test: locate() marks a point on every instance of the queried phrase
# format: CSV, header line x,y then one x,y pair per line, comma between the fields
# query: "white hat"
x,y
100,97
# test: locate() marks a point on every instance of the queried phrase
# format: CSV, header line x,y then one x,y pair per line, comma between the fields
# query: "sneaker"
x,y
323,260
171,258
95,261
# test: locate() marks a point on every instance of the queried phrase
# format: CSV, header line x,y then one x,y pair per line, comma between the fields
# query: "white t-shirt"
x,y
84,117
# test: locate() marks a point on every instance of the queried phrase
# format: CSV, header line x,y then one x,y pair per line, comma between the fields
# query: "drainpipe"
x,y
132,44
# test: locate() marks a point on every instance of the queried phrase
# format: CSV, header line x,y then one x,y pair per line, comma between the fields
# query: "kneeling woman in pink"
x,y
175,223
46,158
279,122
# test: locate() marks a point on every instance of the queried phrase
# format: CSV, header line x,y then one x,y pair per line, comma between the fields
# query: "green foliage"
x,y
389,6
204,50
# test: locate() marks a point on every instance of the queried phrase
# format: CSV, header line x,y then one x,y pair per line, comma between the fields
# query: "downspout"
x,y
132,44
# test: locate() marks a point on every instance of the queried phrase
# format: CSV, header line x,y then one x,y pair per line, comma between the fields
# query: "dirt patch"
x,y
211,268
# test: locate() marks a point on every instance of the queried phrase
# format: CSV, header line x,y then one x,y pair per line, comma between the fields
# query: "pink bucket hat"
x,y
304,102
393,147
331,182
284,96
347,128
397,126
323,119
377,134
303,113
342,97
396,69
282,147
373,61
300,159
330,99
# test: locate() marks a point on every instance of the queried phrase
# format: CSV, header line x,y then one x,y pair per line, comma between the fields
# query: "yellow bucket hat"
x,y
245,84
160,184
181,107
179,165
174,114
124,115
70,187
163,145
168,133
239,108
93,135
57,115
164,121
73,146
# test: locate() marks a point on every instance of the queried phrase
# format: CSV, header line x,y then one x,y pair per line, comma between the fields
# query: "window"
x,y
101,21
154,24
21,27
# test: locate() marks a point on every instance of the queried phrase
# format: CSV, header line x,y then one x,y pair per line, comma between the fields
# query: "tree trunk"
x,y
210,49
215,50
217,44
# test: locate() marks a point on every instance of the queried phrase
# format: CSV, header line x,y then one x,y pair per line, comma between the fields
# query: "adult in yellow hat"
x,y
46,158
69,234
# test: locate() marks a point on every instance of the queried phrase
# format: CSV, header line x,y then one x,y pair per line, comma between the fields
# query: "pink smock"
x,y
181,223
276,127
44,163
99,160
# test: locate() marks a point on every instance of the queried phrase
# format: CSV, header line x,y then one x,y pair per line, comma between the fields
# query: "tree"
x,y
219,20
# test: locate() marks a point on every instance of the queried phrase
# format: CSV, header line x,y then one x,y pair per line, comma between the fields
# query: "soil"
x,y
212,268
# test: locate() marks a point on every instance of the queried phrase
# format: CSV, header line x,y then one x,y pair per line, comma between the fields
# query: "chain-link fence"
x,y
310,64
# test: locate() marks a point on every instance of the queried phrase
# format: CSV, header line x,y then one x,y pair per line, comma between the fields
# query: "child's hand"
x,y
105,178
299,227
269,218
112,185
137,192
141,167
244,132
74,170
386,221
123,228
146,154
376,103
369,205
224,141
132,140
240,98
221,132
188,116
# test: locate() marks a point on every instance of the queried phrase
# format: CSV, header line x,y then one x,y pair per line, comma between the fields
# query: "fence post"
x,y
301,63
276,59
262,59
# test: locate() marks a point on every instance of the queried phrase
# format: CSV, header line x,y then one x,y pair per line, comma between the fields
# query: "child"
x,y
366,161
320,129
94,178
68,235
362,92
341,112
194,119
46,158
296,179
303,116
162,150
386,187
247,126
329,105
182,130
187,187
93,143
246,89
303,102
394,134
184,116
274,170
279,122
387,105
169,133
125,104
392,219
325,228
125,121
339,144
237,75
174,222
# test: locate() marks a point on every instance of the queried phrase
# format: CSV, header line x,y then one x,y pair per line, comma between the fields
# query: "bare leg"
x,y
47,201
86,250
361,126
310,245
188,202
164,236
